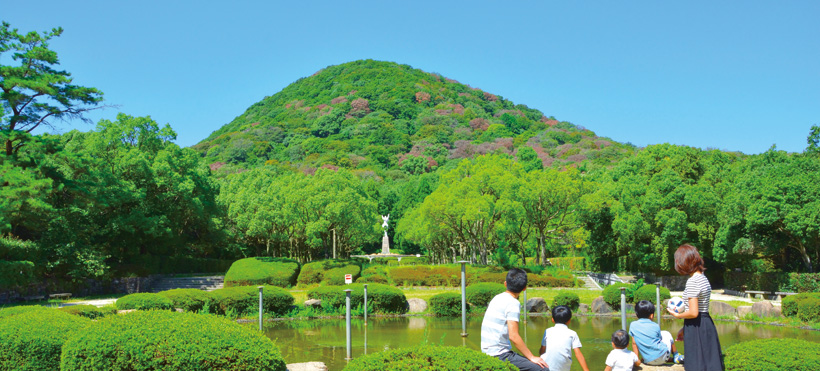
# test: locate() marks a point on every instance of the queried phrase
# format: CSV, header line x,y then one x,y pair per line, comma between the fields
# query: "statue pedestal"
x,y
385,244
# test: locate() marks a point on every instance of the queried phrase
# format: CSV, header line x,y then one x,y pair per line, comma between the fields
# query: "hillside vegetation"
x,y
391,119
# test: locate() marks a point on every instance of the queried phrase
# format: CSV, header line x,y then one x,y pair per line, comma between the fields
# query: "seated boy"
x,y
560,342
620,358
654,346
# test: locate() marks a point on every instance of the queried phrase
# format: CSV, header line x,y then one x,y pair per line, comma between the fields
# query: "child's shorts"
x,y
668,340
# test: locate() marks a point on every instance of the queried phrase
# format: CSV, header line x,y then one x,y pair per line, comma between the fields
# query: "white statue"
x,y
385,219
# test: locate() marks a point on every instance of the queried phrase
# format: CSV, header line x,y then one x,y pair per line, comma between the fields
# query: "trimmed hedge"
x,y
144,301
567,298
13,311
790,304
612,295
648,293
380,298
756,281
773,354
423,275
89,311
447,304
804,282
191,300
480,294
245,300
573,264
808,310
533,280
280,272
170,341
328,272
375,278
33,339
426,357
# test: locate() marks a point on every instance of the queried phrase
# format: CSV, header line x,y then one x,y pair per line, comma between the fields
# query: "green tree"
x,y
813,140
33,92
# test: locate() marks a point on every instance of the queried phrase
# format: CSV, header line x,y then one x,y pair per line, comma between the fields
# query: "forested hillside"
x,y
395,120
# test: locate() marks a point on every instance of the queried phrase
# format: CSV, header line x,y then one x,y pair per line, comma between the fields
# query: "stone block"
x,y
718,308
416,305
313,303
537,305
666,367
307,366
583,308
743,310
599,306
764,309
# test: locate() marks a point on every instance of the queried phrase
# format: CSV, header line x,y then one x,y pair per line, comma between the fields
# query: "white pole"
x,y
658,302
347,320
365,304
463,298
623,308
260,307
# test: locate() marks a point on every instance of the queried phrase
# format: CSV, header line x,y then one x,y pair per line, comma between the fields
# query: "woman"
x,y
700,336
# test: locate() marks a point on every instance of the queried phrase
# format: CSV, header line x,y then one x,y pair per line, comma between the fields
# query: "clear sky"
x,y
733,75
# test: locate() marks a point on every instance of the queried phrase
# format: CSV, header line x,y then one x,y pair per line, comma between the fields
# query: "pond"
x,y
324,340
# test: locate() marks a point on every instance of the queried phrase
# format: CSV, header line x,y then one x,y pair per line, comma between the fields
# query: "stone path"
x,y
96,303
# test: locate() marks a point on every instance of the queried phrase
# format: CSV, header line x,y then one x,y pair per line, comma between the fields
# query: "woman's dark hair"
x,y
687,260
516,280
620,338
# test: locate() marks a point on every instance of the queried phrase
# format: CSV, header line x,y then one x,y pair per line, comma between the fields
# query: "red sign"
x,y
348,278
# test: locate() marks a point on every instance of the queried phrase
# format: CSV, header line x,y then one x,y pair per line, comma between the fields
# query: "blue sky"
x,y
733,75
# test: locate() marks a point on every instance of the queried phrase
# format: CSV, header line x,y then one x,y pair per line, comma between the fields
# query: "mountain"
x,y
390,118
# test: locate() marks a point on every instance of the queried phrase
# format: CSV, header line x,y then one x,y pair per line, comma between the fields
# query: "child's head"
x,y
644,309
620,339
561,314
516,280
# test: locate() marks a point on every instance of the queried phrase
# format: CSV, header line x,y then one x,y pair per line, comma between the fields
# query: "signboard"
x,y
348,278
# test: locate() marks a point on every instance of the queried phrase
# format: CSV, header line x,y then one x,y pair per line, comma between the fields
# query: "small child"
x,y
560,342
620,358
654,346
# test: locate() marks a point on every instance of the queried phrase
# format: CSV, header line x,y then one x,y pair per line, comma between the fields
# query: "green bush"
x,y
13,311
374,278
804,282
808,310
89,311
33,339
423,275
280,272
245,300
612,295
380,298
573,264
756,281
191,300
330,271
144,301
790,304
427,357
169,341
480,294
648,293
773,354
16,273
447,304
567,298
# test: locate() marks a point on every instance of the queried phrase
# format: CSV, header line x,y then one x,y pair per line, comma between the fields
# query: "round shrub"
x,y
160,340
245,300
428,357
280,272
648,293
773,354
612,295
89,311
191,300
480,294
791,302
33,339
380,298
375,278
567,298
447,304
144,301
330,271
808,310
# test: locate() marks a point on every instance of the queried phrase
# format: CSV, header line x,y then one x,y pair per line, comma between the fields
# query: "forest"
x,y
463,173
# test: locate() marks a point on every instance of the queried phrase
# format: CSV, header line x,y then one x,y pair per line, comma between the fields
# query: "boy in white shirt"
x,y
499,329
560,342
620,358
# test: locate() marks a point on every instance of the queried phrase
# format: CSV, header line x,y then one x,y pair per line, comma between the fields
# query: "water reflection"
x,y
324,340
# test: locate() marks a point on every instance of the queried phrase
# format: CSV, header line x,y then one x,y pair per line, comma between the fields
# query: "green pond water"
x,y
324,340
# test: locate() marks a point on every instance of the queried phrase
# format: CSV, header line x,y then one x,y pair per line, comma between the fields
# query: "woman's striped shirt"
x,y
698,286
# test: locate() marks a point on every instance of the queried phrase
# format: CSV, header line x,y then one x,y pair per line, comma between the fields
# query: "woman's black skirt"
x,y
700,340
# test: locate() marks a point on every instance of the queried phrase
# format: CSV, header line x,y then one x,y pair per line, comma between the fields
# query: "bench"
x,y
753,294
64,295
780,295
33,298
